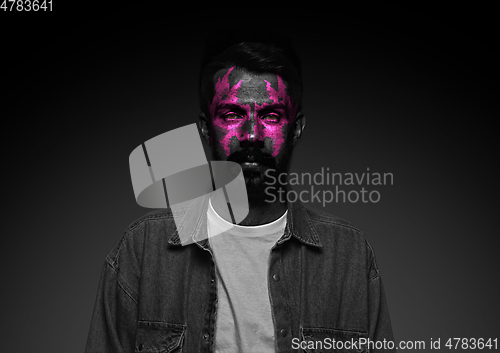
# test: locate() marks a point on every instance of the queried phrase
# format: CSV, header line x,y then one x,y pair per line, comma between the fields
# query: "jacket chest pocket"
x,y
159,337
322,340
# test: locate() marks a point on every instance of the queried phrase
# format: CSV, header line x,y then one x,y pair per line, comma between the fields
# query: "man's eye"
x,y
232,116
271,117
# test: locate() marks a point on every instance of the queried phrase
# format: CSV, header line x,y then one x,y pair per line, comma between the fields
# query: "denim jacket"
x,y
156,295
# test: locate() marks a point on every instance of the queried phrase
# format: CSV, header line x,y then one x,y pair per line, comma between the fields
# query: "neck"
x,y
258,212
263,213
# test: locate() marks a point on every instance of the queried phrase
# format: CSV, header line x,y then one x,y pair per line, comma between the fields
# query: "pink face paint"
x,y
224,92
238,128
275,131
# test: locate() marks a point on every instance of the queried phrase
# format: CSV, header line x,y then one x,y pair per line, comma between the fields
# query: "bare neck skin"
x,y
258,213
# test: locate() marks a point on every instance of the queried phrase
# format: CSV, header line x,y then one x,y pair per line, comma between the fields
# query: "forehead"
x,y
248,78
246,86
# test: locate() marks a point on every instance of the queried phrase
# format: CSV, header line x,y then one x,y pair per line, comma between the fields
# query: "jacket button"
x,y
283,332
276,277
141,346
205,337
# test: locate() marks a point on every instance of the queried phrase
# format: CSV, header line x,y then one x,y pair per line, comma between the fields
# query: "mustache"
x,y
252,154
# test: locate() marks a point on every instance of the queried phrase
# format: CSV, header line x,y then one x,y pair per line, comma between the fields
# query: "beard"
x,y
261,182
255,182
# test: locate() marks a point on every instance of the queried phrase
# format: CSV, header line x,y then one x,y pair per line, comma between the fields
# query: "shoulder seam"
x,y
374,277
322,216
332,221
146,218
129,230
122,284
374,259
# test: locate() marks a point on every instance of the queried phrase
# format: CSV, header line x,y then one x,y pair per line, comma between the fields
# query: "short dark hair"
x,y
259,52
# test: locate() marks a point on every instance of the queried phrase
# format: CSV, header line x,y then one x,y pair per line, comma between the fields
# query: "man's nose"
x,y
253,134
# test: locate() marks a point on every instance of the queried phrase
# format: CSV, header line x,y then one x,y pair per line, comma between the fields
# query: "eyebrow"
x,y
240,107
232,106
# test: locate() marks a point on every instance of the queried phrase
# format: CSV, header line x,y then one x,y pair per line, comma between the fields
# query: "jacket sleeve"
x,y
114,319
379,321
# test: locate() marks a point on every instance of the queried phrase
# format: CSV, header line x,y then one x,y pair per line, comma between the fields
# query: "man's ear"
x,y
204,126
298,129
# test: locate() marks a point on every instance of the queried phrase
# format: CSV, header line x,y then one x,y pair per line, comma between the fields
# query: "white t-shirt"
x,y
244,321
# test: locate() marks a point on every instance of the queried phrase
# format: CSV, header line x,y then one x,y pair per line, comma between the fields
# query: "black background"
x,y
406,90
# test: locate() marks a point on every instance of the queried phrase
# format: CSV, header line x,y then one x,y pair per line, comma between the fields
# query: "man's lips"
x,y
252,158
253,165
250,164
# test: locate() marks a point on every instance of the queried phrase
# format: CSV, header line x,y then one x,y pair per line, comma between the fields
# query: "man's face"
x,y
252,123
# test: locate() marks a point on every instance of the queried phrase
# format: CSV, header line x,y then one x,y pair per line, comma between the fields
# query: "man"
x,y
286,278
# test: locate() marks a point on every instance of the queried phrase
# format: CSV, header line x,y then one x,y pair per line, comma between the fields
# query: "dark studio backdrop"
x,y
407,91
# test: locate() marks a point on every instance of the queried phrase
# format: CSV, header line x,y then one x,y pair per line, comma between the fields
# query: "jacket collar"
x,y
191,224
